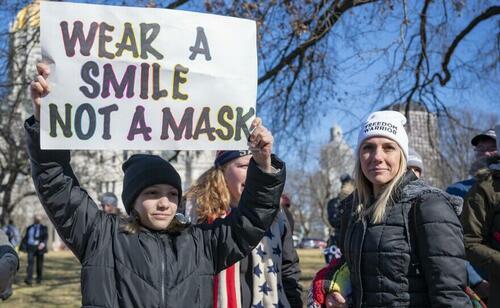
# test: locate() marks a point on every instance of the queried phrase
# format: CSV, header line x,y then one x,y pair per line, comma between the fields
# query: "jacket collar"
x,y
408,177
417,189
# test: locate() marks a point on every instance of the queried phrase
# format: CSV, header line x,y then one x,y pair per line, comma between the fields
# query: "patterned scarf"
x,y
267,285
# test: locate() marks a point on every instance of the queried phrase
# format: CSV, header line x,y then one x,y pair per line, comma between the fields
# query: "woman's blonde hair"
x,y
364,192
210,194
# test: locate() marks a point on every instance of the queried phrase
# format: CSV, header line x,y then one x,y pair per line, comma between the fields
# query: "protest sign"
x,y
144,78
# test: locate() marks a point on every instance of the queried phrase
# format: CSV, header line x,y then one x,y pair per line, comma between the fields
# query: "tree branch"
x,y
490,12
423,51
176,4
325,23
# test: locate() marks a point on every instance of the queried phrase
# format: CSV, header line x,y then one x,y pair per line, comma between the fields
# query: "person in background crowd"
x,y
334,212
285,206
484,147
109,203
12,233
475,281
270,274
481,222
150,259
415,162
333,208
9,264
34,243
401,238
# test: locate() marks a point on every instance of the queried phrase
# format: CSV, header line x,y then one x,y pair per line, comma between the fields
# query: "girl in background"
x,y
269,275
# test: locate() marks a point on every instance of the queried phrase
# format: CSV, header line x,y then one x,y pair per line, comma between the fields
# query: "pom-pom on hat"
x,y
387,123
144,170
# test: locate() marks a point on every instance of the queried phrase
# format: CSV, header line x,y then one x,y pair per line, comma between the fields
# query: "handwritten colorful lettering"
x,y
142,78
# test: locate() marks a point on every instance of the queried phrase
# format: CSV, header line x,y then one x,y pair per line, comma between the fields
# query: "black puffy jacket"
x,y
391,266
148,269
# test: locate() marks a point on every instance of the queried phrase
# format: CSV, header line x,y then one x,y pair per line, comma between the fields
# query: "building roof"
x,y
401,107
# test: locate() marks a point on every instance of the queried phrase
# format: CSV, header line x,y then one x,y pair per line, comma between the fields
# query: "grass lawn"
x,y
61,287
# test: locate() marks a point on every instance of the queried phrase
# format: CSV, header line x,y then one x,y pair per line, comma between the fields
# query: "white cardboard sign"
x,y
143,78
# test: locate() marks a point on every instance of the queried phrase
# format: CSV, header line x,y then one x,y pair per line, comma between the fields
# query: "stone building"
x,y
423,134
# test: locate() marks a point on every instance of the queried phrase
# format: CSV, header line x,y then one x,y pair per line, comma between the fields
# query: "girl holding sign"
x,y
269,276
151,260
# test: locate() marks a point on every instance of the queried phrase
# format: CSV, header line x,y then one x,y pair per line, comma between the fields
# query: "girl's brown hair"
x,y
132,224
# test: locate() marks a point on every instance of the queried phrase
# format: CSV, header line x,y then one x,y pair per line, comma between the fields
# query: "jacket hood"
x,y
415,189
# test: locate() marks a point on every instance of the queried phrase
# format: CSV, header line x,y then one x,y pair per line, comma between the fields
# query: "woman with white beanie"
x,y
401,238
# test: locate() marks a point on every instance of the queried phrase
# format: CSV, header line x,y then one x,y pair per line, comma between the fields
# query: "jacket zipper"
x,y
359,262
162,247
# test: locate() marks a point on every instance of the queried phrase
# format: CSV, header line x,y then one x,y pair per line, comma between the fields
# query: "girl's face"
x,y
235,174
380,158
157,205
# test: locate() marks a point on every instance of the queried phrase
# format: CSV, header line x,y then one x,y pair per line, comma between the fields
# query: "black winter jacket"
x,y
391,266
148,269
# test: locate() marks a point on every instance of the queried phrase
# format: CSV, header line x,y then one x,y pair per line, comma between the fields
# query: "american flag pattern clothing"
x,y
266,261
227,287
267,288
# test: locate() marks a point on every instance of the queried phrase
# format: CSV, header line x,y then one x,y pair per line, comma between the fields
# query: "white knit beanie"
x,y
415,160
388,124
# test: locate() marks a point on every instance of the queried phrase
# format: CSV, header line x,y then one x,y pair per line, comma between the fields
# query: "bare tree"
x,y
306,48
14,98
301,208
312,189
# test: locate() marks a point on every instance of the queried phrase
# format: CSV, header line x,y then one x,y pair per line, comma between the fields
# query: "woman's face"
x,y
157,205
235,174
380,158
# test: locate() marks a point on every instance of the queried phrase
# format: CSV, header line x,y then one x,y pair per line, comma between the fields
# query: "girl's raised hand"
x,y
39,88
260,143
